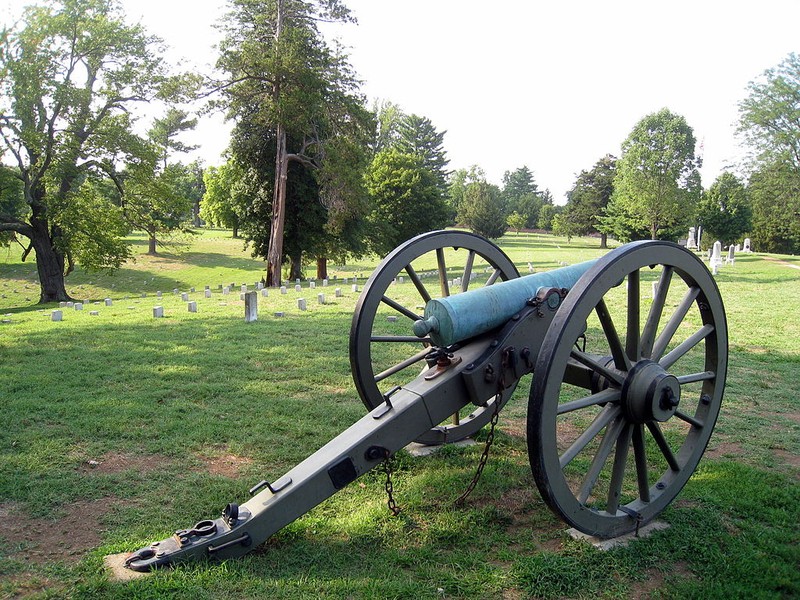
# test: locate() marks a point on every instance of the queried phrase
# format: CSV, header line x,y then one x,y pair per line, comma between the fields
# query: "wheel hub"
x,y
649,393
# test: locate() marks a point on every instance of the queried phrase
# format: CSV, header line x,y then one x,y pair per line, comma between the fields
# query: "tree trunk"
x,y
49,264
151,244
296,266
654,231
603,241
275,251
322,267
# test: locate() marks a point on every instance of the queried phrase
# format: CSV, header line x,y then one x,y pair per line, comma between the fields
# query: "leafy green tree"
x,y
769,121
563,225
516,221
70,75
724,211
774,191
521,195
225,197
657,177
588,198
405,198
418,136
457,188
546,215
483,211
282,74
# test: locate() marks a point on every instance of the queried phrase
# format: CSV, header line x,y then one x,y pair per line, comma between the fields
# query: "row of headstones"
x,y
693,241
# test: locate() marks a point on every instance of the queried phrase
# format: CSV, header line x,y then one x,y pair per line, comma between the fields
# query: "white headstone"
x,y
324,283
259,286
191,290
158,294
716,254
279,314
158,312
244,288
208,293
731,259
312,284
400,279
62,304
94,313
226,290
78,306
691,243
355,287
699,236
264,292
56,315
192,306
321,298
185,297
283,289
746,245
301,303
109,302
297,287
250,307
338,292
70,304
392,318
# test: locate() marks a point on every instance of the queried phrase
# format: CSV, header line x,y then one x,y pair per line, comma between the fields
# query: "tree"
x,y
657,176
516,221
588,198
159,199
405,198
222,204
70,77
283,75
769,121
457,188
724,211
521,195
418,136
482,210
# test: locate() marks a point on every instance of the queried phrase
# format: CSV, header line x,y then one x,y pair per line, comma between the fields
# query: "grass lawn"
x,y
117,429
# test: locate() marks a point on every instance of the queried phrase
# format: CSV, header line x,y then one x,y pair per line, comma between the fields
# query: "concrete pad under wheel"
x,y
115,565
621,541
417,450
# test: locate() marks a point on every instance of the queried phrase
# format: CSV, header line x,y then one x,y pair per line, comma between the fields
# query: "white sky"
x,y
551,85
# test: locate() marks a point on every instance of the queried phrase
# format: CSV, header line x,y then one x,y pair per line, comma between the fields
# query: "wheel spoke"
x,y
674,322
618,471
682,348
600,421
465,278
640,456
411,360
607,395
621,361
401,309
688,419
656,310
693,377
589,361
411,339
412,275
493,277
603,452
658,435
443,283
634,307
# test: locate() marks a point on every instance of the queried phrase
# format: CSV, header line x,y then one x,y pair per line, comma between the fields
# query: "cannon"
x,y
627,356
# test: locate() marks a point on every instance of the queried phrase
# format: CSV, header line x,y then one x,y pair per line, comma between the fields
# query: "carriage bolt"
x,y
668,400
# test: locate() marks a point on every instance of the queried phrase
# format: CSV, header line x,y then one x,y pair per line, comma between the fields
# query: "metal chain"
x,y
485,456
389,486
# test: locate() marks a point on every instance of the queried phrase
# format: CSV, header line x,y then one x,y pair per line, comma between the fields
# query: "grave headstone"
x,y
324,283
70,304
338,292
297,287
301,303
250,307
731,259
283,289
78,306
716,254
355,287
264,292
312,284
185,297
144,294
176,291
56,315
62,304
746,245
158,294
94,313
158,312
699,235
244,288
691,242
109,302
259,286
208,293
321,298
401,279
392,318
192,306
279,314
226,290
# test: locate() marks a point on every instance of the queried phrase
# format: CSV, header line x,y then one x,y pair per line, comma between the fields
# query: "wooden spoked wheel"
x,y
384,352
627,387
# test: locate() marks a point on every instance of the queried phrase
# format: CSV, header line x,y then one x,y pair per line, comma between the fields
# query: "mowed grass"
x,y
117,429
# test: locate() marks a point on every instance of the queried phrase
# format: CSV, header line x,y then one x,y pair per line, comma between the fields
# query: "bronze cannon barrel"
x,y
466,315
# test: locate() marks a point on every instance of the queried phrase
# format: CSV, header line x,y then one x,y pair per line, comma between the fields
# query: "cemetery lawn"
x,y
116,429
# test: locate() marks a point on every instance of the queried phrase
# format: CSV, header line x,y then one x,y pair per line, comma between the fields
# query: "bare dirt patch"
x,y
725,450
226,464
66,537
116,462
655,580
